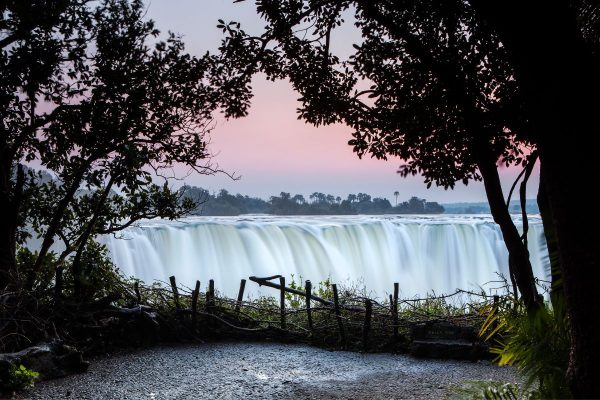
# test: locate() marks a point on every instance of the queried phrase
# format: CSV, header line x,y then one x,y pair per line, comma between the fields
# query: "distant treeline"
x,y
531,207
224,203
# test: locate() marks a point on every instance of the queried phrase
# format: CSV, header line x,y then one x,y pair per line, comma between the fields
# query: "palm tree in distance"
x,y
396,193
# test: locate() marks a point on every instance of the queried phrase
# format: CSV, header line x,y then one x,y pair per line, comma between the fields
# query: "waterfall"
x,y
422,253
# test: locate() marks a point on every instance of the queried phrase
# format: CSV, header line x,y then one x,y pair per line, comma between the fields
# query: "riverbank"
x,y
265,371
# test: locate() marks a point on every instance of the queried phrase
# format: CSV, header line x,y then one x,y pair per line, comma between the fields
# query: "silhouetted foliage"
x,y
430,84
92,93
440,87
555,52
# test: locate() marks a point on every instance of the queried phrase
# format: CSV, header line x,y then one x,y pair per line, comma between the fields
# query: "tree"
x,y
223,203
442,96
285,196
363,198
432,207
299,199
554,48
90,92
381,205
455,89
416,205
396,194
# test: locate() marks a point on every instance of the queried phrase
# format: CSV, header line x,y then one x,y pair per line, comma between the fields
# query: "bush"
x,y
537,343
98,278
490,390
20,377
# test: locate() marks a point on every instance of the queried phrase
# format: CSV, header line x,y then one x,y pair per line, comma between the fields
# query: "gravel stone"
x,y
265,371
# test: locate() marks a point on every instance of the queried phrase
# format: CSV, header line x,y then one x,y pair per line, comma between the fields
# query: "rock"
x,y
50,360
448,349
446,340
442,330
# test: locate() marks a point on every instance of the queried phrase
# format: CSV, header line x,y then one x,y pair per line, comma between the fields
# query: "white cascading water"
x,y
422,253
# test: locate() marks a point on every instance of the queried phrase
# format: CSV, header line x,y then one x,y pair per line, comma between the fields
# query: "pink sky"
x,y
270,149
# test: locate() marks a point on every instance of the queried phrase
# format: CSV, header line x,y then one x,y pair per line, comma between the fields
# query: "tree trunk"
x,y
558,77
579,259
85,236
10,197
8,246
520,266
556,286
568,161
55,222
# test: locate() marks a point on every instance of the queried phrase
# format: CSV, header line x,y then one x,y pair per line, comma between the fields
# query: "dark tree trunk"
x,y
579,259
85,236
520,266
10,197
8,243
55,223
567,174
558,76
556,286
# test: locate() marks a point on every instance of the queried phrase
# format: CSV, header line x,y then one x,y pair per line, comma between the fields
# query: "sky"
x,y
270,150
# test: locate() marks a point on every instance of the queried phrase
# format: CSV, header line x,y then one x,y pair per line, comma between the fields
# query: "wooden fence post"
x,y
210,296
338,314
282,300
367,325
195,295
308,288
240,297
395,315
175,291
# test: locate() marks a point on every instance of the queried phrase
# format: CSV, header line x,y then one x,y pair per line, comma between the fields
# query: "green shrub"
x,y
536,343
491,390
99,276
44,277
294,301
20,377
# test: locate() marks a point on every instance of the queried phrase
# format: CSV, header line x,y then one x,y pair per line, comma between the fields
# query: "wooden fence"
x,y
341,320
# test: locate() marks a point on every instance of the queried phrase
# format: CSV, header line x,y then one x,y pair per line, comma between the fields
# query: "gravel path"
x,y
265,371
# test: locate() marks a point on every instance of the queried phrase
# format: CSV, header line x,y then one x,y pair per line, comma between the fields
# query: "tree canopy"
x,y
93,93
430,84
